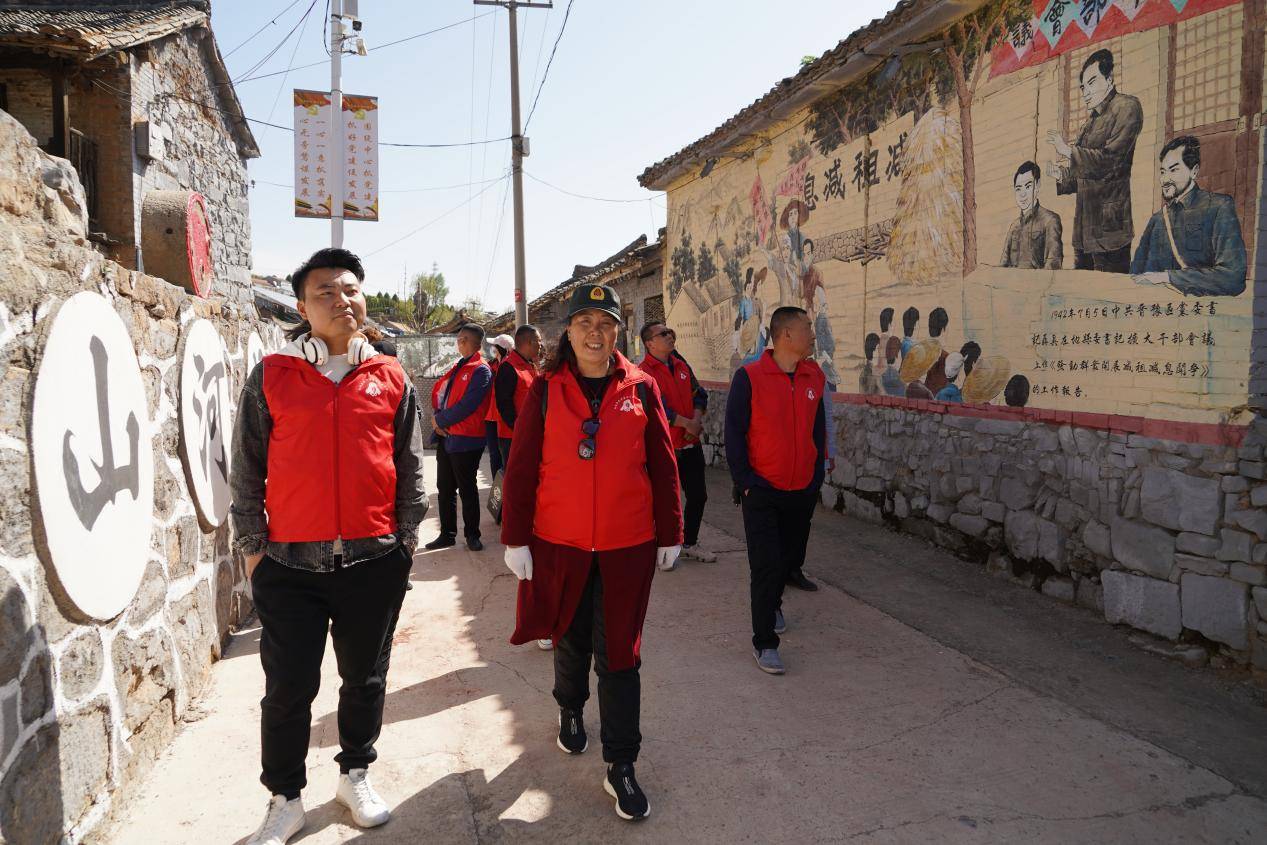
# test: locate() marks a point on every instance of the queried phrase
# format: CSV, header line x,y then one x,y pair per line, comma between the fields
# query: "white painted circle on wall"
x,y
93,457
254,353
205,425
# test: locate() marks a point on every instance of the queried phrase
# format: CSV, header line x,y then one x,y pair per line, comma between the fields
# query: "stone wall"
x,y
199,153
85,707
1168,537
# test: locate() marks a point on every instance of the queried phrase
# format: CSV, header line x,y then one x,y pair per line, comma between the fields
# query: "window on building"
x,y
1207,81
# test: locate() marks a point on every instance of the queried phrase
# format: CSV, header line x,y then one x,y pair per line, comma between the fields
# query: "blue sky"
x,y
630,84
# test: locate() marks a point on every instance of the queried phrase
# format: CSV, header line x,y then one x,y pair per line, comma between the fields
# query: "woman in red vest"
x,y
590,507
501,346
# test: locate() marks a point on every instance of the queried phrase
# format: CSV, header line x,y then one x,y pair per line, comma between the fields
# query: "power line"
x,y
431,222
546,75
492,259
368,50
281,87
582,196
282,43
261,29
396,190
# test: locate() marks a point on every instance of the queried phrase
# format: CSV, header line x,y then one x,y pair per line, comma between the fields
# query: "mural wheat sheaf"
x,y
927,242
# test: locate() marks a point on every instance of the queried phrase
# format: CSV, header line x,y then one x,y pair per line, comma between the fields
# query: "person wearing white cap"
x,y
951,392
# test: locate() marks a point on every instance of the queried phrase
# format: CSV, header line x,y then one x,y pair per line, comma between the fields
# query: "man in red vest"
x,y
327,497
459,402
513,381
684,405
776,446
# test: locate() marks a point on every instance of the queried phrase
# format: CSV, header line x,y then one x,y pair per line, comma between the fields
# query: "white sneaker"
x,y
545,645
698,552
356,793
283,820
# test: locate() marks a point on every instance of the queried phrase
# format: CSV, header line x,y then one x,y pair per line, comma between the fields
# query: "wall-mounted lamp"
x,y
708,168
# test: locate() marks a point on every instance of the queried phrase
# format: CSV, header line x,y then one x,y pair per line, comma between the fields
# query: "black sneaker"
x,y
620,783
474,544
797,579
441,542
572,738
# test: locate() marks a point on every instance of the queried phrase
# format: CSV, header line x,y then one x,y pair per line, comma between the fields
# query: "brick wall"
x,y
30,96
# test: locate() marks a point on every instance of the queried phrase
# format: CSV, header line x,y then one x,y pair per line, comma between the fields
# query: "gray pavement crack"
x,y
945,715
465,777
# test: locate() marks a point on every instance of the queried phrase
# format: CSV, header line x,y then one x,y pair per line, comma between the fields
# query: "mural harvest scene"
x,y
1051,205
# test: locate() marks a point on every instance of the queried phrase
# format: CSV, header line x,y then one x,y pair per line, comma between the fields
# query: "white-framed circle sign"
x,y
205,380
254,353
93,457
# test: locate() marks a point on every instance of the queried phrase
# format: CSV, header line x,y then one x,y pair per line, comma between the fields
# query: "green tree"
x,y
430,291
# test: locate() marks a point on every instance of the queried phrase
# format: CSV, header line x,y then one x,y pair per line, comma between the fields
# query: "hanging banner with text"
x,y
315,160
1059,26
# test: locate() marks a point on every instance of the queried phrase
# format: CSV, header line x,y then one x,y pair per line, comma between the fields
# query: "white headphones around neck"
x,y
315,351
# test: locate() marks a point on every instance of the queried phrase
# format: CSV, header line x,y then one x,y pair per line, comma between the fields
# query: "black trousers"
x,y
359,605
455,474
776,527
1113,261
495,462
690,471
503,444
619,693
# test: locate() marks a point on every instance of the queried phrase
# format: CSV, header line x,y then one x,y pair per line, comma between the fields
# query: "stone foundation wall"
x,y
1165,536
85,707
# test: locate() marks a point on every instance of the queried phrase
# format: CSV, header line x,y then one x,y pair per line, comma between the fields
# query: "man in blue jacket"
x,y
459,402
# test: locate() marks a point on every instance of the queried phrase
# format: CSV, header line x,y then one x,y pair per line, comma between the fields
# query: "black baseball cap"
x,y
600,297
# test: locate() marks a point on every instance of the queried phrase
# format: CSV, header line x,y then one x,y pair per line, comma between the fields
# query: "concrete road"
x,y
878,733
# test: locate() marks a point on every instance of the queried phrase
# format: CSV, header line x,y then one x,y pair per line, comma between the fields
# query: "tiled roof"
x,y
909,20
87,31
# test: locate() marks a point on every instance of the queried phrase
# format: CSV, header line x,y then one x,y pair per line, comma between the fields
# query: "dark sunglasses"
x,y
589,444
665,333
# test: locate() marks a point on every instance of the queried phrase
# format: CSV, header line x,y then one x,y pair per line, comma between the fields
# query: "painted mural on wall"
x,y
1064,231
93,465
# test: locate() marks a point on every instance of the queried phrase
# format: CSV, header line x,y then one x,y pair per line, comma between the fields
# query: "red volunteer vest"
x,y
473,425
781,435
330,467
603,503
492,415
527,373
674,380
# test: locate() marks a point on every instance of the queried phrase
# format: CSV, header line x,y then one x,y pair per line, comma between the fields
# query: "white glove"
x,y
519,561
666,557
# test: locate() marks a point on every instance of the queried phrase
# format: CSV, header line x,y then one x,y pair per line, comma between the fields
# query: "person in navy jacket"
x,y
776,446
459,401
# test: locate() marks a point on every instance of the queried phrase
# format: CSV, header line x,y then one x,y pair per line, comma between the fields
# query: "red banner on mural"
x,y
760,210
793,180
1059,26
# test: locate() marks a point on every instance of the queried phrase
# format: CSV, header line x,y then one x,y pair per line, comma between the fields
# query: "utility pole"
x,y
337,140
519,149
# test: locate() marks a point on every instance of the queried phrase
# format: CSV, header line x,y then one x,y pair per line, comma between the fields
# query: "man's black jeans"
x,y
776,527
455,474
619,693
690,471
359,605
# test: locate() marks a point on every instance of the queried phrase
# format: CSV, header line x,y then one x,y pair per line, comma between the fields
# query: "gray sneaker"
x,y
768,660
780,624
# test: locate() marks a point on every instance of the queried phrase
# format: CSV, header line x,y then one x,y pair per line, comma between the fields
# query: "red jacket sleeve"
x,y
519,485
666,506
